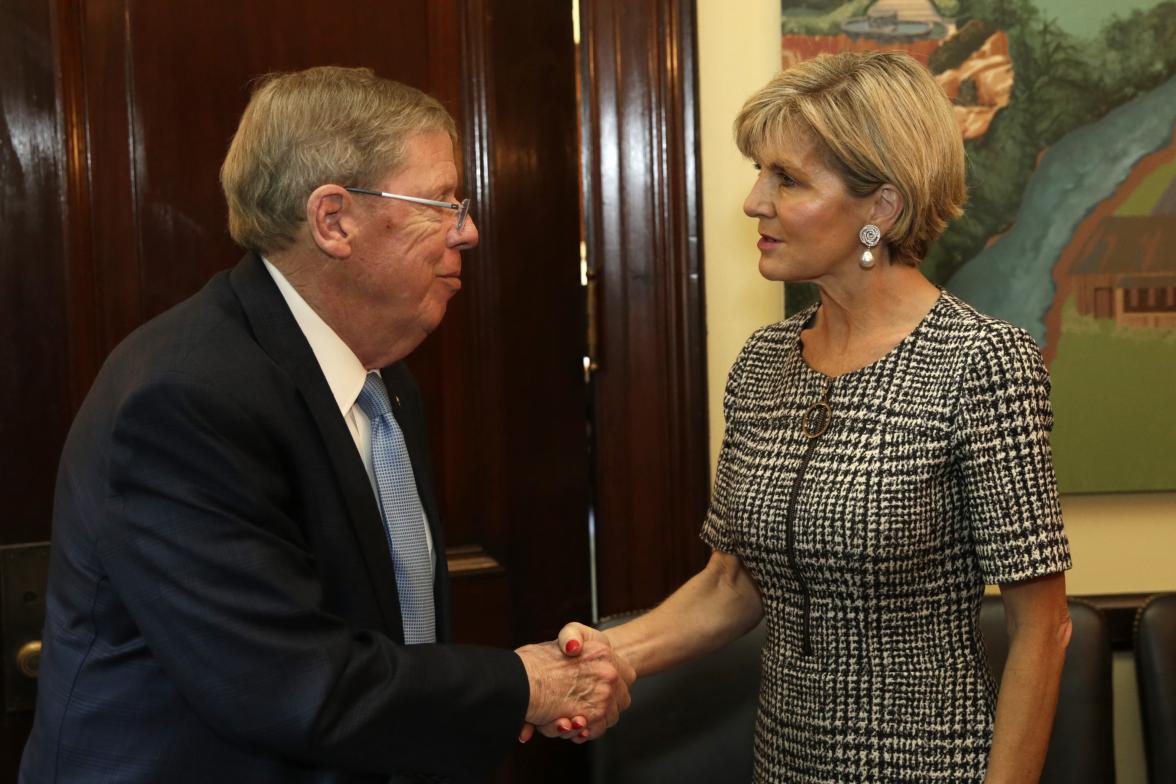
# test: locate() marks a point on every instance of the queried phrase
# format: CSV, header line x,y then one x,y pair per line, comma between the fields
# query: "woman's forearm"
x,y
717,605
1028,691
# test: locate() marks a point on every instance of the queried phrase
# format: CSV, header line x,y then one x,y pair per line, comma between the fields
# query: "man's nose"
x,y
467,237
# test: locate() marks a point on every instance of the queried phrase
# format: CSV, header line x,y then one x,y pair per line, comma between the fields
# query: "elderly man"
x,y
248,577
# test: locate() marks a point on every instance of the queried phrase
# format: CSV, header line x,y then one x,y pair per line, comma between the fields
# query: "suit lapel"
x,y
278,333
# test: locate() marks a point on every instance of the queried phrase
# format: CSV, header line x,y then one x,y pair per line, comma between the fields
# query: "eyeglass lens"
x,y
462,212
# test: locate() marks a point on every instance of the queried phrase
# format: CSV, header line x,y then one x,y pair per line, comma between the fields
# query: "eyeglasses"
x,y
463,209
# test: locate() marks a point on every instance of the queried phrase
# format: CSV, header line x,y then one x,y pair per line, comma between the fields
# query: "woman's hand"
x,y
593,686
714,607
572,638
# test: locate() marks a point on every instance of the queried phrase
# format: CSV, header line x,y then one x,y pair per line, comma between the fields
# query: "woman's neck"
x,y
862,319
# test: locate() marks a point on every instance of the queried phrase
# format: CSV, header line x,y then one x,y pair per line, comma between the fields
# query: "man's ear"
x,y
888,204
329,218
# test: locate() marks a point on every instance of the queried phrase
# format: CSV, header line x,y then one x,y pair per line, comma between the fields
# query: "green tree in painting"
x,y
1060,84
812,6
819,17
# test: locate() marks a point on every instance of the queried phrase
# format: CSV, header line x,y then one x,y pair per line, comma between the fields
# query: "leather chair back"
x,y
1082,746
689,724
1155,669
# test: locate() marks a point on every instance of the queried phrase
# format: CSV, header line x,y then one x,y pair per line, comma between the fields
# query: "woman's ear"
x,y
330,221
888,204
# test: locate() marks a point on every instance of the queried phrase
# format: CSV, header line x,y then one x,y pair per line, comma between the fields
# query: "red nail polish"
x,y
572,647
577,725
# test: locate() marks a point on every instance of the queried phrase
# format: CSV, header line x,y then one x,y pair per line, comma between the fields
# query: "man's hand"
x,y
590,682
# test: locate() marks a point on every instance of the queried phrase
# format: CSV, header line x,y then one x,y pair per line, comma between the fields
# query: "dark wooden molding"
x,y
527,500
85,353
109,243
642,222
471,561
484,351
520,169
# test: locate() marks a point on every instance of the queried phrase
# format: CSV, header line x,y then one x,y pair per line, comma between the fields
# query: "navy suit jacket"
x,y
222,604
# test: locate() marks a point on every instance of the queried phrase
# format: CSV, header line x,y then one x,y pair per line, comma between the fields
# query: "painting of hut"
x,y
1126,271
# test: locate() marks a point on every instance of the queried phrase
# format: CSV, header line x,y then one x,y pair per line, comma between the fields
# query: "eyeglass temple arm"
x,y
415,199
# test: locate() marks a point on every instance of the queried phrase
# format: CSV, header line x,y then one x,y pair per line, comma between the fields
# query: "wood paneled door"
x,y
114,118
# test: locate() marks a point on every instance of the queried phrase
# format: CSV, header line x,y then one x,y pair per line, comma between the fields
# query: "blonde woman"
x,y
886,456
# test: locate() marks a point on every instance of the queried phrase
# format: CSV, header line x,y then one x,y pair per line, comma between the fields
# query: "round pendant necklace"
x,y
817,417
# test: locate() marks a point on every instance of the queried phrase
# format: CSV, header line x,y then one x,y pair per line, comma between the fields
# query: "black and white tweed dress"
x,y
872,541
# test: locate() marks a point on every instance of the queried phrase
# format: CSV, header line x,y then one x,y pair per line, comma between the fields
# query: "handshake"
x,y
579,685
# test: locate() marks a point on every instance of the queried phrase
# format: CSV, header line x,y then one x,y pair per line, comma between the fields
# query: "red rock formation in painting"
x,y
991,73
795,48
988,71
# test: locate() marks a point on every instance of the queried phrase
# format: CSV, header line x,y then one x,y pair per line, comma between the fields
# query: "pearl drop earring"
x,y
869,236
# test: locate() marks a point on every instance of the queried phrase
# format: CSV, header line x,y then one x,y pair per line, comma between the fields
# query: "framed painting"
x,y
1067,110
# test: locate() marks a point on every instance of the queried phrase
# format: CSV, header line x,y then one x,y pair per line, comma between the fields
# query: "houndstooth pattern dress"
x,y
872,542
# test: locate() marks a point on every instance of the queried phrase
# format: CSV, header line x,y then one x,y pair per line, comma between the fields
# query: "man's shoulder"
x,y
190,334
207,338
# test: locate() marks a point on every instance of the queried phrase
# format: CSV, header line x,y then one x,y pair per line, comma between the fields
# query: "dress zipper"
x,y
814,423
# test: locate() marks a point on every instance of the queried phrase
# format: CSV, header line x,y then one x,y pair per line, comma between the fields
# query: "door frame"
x,y
643,220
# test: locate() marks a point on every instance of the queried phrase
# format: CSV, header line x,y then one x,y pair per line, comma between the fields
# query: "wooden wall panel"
x,y
534,164
166,83
35,405
643,227
522,176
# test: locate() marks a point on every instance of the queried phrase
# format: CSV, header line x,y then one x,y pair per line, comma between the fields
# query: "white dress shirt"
x,y
344,372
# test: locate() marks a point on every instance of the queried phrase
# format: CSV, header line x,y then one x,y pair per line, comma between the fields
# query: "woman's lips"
x,y
767,242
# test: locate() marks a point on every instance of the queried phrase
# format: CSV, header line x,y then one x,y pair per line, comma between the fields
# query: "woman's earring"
x,y
869,236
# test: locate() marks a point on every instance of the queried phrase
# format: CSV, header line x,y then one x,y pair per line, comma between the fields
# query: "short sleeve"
x,y
1005,462
717,528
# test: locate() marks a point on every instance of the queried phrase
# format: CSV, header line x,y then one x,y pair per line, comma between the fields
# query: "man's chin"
x,y
434,318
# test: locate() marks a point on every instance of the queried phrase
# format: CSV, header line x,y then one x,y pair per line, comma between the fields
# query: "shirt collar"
x,y
344,372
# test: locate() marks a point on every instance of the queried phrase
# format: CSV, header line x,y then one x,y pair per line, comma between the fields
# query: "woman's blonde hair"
x,y
309,128
879,118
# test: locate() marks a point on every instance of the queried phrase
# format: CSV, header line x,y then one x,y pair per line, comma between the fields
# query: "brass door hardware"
x,y
24,574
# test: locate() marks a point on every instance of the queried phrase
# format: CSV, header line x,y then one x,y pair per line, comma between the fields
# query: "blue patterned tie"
x,y
404,519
